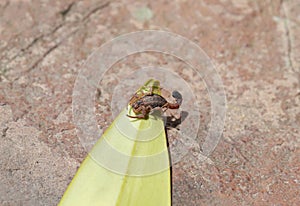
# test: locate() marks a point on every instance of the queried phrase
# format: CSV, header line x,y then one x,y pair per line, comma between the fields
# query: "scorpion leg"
x,y
165,107
144,110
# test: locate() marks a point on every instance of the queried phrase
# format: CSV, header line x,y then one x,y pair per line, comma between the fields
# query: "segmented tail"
x,y
177,96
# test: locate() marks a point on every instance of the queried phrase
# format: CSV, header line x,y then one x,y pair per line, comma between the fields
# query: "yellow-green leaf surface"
x,y
128,166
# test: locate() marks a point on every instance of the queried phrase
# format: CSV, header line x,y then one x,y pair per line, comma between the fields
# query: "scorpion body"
x,y
144,104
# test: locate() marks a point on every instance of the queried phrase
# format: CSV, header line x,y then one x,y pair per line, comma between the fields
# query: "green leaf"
x,y
128,166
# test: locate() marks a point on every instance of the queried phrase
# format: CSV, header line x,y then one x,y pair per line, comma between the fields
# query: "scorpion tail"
x,y
177,96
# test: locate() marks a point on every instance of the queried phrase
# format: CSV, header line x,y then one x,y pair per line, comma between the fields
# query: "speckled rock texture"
x,y
254,44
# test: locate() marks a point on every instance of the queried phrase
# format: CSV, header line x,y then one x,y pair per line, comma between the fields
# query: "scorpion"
x,y
143,104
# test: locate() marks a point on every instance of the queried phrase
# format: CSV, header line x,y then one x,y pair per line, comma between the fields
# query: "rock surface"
x,y
254,44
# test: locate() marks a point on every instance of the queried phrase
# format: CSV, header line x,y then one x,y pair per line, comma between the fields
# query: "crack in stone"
x,y
67,10
51,49
4,132
42,36
94,10
43,56
34,41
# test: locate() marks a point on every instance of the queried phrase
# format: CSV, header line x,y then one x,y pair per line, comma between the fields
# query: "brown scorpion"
x,y
144,104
